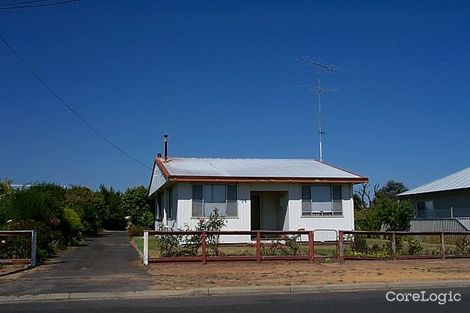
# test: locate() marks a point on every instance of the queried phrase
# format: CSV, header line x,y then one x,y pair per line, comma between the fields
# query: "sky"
x,y
223,80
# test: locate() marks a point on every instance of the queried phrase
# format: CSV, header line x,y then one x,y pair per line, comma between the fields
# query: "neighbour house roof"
x,y
251,170
459,180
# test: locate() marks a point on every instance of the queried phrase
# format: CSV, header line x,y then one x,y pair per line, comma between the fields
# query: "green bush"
x,y
367,219
135,203
72,226
414,246
462,246
359,244
85,202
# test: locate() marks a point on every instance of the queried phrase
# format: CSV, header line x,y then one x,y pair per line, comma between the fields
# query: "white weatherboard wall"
x,y
293,219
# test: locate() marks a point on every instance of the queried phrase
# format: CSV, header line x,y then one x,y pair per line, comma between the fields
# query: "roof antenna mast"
x,y
166,105
320,69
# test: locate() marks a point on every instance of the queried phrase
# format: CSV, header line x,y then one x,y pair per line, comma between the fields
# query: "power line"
x,y
27,4
22,2
68,107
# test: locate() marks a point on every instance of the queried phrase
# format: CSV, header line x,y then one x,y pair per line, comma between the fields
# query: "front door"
x,y
255,211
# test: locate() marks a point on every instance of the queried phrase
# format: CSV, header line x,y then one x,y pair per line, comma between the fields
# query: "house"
x,y
443,204
254,194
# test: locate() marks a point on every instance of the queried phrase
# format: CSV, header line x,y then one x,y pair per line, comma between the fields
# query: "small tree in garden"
x,y
135,203
393,214
215,222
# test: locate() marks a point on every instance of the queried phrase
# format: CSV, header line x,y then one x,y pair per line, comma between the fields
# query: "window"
x,y
425,209
322,200
206,198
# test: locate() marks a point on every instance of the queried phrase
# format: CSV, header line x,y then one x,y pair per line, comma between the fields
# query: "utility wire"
x,y
68,107
22,2
25,5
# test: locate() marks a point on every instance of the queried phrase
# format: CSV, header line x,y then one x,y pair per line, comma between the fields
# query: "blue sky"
x,y
225,73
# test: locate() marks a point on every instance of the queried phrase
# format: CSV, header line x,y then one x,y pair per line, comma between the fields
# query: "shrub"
x,y
135,203
136,230
85,202
284,245
367,219
394,214
414,246
462,246
359,244
72,226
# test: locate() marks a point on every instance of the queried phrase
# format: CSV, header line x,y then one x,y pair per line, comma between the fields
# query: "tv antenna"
x,y
320,69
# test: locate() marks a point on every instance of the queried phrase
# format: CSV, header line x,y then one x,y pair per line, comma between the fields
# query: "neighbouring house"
x,y
254,194
443,204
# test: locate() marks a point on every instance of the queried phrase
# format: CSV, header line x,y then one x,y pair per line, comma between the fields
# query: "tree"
x,y
391,190
136,205
6,195
367,219
86,203
109,209
394,214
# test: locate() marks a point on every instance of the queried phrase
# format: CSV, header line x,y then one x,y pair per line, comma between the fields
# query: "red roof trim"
x,y
162,168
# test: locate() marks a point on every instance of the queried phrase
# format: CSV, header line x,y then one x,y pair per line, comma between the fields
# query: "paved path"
x,y
107,263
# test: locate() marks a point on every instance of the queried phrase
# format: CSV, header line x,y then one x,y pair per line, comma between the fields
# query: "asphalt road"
x,y
350,302
106,263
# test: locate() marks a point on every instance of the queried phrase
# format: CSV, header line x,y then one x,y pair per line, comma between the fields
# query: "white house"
x,y
254,194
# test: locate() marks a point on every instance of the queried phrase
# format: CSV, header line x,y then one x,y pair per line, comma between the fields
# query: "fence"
x,y
370,245
205,246
15,250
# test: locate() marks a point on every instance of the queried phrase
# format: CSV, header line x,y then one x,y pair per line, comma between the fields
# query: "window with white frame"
x,y
322,200
207,198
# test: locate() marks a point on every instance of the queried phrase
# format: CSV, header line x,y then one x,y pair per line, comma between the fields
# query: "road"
x,y
351,302
106,263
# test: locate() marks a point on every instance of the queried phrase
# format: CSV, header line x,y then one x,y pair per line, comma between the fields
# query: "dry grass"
x,y
192,275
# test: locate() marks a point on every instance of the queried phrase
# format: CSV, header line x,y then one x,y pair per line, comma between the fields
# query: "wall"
x,y
443,201
293,219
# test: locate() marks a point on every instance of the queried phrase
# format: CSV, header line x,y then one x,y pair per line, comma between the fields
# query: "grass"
x,y
327,250
430,244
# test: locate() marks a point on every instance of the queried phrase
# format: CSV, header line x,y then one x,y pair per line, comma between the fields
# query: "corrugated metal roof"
x,y
286,168
459,180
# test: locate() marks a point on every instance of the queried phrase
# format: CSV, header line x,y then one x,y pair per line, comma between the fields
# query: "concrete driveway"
x,y
103,264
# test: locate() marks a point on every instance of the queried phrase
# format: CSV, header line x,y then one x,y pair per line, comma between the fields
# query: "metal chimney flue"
x,y
165,141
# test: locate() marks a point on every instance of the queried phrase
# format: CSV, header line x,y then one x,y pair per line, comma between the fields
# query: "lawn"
x,y
326,250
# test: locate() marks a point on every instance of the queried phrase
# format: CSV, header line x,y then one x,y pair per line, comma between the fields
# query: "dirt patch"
x,y
7,269
224,274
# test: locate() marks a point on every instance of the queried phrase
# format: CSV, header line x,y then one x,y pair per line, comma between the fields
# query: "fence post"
x,y
146,247
34,242
394,245
258,246
203,247
443,245
341,245
310,246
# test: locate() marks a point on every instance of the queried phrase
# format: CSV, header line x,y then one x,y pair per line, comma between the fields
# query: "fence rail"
x,y
32,234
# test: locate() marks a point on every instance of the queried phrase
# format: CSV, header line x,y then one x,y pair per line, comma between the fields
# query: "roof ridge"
x,y
243,158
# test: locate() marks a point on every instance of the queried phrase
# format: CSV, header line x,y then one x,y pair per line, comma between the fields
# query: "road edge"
x,y
228,291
